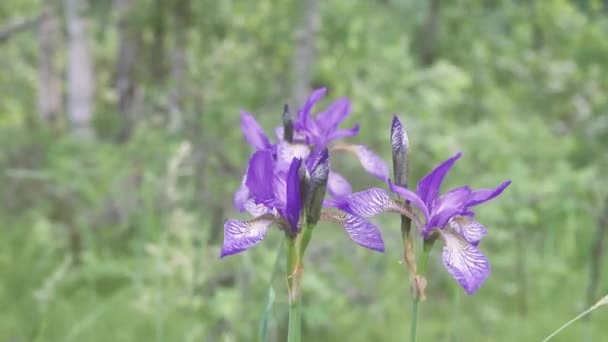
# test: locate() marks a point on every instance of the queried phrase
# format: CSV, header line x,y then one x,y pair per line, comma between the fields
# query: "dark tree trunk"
x,y
427,37
126,63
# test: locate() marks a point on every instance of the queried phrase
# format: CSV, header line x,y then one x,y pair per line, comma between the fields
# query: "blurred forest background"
x,y
120,148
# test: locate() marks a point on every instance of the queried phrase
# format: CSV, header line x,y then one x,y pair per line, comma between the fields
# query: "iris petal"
x,y
428,187
242,235
367,203
363,233
371,162
253,132
469,229
333,115
241,195
337,186
293,206
465,262
412,197
259,175
484,195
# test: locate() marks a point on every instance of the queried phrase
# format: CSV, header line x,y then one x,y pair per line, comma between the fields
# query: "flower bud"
x,y
318,185
400,146
287,124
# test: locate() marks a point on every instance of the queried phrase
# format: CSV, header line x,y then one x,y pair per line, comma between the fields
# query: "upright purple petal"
x,y
363,233
484,195
371,162
412,197
367,203
242,235
447,205
260,176
333,115
469,229
464,261
428,187
337,186
293,207
253,132
304,113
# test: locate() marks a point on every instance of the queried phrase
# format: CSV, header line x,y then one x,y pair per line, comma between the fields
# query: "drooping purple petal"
x,y
371,162
241,195
412,197
428,187
484,195
293,207
447,205
337,186
333,115
469,229
260,176
242,235
343,133
253,132
367,203
363,233
464,261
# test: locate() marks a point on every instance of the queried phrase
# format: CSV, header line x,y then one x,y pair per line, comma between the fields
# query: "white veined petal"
x,y
368,203
469,229
242,235
464,261
363,233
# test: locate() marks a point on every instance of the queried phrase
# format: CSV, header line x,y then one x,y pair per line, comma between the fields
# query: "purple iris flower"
x,y
450,216
311,134
274,195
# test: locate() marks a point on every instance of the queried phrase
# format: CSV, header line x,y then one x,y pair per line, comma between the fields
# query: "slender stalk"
x,y
263,329
424,258
294,273
295,320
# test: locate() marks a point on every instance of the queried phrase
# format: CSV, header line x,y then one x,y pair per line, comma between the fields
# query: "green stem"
x,y
306,236
294,331
295,319
422,265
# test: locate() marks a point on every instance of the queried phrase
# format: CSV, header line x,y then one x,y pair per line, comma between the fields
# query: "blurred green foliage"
x,y
107,241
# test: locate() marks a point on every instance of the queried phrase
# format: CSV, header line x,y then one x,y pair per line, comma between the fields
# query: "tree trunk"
x,y
126,62
50,102
157,56
304,55
427,38
80,71
179,63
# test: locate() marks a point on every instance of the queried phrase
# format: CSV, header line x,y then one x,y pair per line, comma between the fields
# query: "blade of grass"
x,y
603,301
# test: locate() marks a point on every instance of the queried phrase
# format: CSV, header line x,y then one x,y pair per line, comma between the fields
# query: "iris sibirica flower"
x,y
279,196
307,134
448,216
